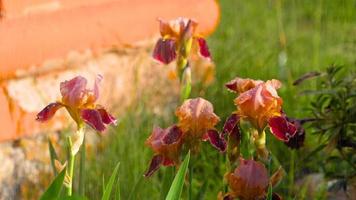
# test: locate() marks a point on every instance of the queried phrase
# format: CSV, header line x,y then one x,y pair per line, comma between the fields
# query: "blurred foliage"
x,y
333,121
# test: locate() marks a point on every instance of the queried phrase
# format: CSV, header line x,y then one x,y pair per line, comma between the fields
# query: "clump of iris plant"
x,y
80,103
196,121
258,104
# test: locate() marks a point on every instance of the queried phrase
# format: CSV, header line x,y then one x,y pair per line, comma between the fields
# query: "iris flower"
x,y
177,38
250,181
258,102
80,103
196,122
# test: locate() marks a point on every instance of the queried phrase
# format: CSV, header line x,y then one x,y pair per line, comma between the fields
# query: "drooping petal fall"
x,y
48,112
281,128
156,162
217,140
296,141
106,117
203,48
249,180
93,118
165,50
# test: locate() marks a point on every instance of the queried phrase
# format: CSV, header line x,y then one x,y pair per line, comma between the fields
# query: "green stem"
x,y
82,169
191,180
70,169
291,172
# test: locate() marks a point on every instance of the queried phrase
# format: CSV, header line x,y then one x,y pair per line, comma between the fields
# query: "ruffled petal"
x,y
74,91
240,85
106,117
173,134
217,140
203,48
93,118
196,117
281,128
93,95
165,50
156,162
296,141
230,123
48,112
249,180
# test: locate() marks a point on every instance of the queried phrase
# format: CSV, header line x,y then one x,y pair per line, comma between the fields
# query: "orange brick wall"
x,y
36,33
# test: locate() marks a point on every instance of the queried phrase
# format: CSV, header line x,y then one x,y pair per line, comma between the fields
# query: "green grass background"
x,y
247,43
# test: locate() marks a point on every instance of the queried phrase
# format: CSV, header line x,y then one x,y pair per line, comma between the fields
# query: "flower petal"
x,y
106,117
48,112
296,141
281,128
216,140
173,134
230,123
73,91
240,85
188,27
93,118
203,48
156,162
249,180
168,162
93,95
196,117
165,50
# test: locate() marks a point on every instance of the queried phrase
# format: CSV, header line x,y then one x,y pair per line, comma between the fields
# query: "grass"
x,y
260,39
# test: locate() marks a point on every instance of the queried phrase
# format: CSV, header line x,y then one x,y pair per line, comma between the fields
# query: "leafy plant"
x,y
177,186
333,119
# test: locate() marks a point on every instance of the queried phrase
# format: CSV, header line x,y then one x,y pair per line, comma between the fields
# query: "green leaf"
x,y
270,192
108,187
54,189
186,84
177,186
74,197
167,179
53,156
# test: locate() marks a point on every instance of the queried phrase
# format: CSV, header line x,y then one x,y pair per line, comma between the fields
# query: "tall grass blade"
x,y
53,191
53,156
177,186
108,187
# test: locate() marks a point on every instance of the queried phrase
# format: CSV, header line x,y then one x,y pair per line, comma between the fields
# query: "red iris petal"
x,y
231,123
216,140
106,117
165,50
168,162
297,140
203,47
48,112
93,118
281,128
231,85
154,165
172,135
